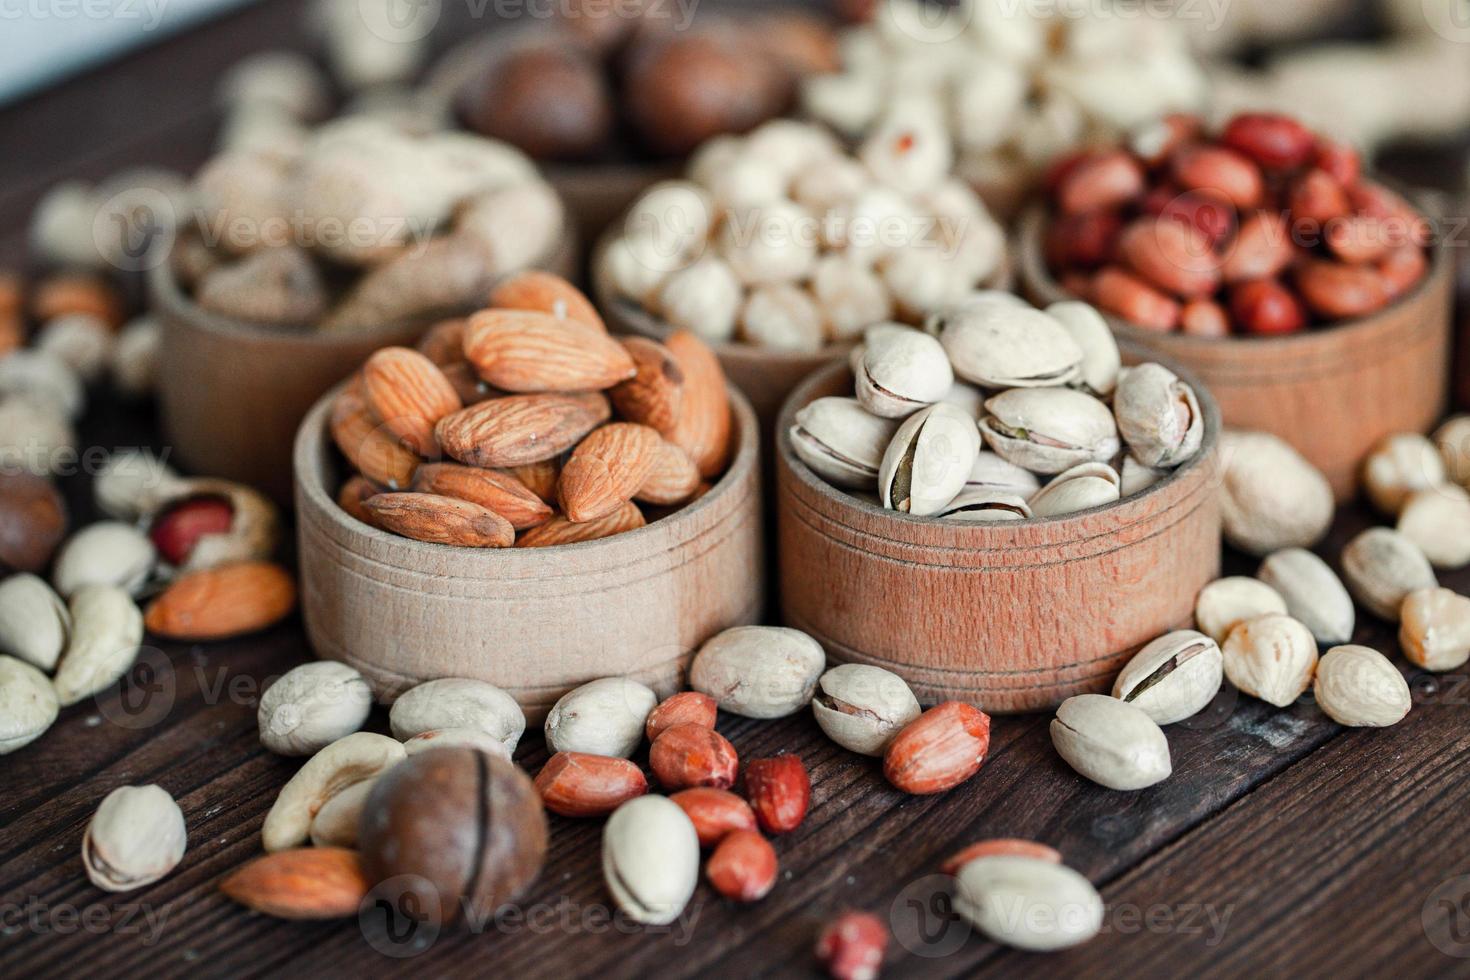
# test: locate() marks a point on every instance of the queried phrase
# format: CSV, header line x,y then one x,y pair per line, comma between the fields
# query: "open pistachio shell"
x,y
1048,430
1137,477
1082,487
842,441
1172,678
985,507
928,461
1158,415
1101,362
991,472
998,345
903,372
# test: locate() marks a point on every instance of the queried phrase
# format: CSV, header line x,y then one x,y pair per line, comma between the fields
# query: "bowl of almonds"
x,y
1308,296
543,502
1019,510
293,270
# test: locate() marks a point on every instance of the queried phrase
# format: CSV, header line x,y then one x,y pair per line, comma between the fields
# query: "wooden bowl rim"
x,y
632,316
164,292
998,534
1034,273
310,455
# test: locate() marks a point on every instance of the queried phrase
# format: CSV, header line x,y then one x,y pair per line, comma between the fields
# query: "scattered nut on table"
x,y
136,837
1111,742
1172,678
1064,909
862,708
602,717
1434,629
1227,602
1272,657
1359,687
28,702
759,671
1270,496
311,706
351,759
456,702
1381,567
1314,594
650,859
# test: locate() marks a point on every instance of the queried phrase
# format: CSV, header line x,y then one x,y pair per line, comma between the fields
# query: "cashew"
x,y
353,759
106,629
335,824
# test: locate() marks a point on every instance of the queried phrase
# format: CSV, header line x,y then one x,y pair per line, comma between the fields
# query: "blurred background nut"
x,y
547,98
456,702
106,629
466,736
34,623
351,759
205,523
1270,496
1435,628
135,838
336,823
81,342
132,483
35,436
468,825
1314,594
1173,677
1065,909
134,358
27,704
650,859
1382,567
220,603
1226,602
1272,658
1399,466
1359,687
311,706
602,717
1111,742
105,553
862,708
1453,440
759,671
843,442
1437,521
33,521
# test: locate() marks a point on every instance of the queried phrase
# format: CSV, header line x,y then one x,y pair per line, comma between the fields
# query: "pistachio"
x,y
759,671
991,472
34,622
1225,603
1158,415
862,707
135,838
106,630
312,706
456,702
439,738
842,441
1314,594
1173,677
1271,657
650,858
106,553
352,759
133,483
602,717
1359,687
1453,442
44,379
1438,522
1101,362
1435,628
1029,903
335,824
1382,567
996,344
1082,487
903,372
926,464
1270,496
27,704
34,436
1111,742
1048,430
1398,466
985,507
1136,477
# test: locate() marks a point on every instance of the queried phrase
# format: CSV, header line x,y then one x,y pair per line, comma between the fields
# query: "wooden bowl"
x,y
535,622
1012,617
767,377
233,393
1332,393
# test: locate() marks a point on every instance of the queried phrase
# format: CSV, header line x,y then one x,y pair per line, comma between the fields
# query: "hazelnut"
x,y
470,828
513,101
32,521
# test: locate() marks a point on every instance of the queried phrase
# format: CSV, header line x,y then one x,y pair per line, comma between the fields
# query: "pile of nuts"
x,y
1006,87
1264,229
1060,406
520,397
633,75
782,240
362,227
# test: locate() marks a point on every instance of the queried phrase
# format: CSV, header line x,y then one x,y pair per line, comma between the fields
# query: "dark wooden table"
x,y
1282,842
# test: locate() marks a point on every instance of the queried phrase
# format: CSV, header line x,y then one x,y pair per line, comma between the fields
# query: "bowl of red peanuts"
x,y
1311,298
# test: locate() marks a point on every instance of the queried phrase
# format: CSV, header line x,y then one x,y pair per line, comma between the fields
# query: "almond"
x,y
684,708
304,883
526,350
407,393
467,384
443,343
654,395
12,333
520,429
999,847
743,867
938,750
692,755
350,498
714,812
441,520
703,429
672,479
491,489
559,530
606,469
576,784
370,449
78,292
779,791
546,293
222,602
540,478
